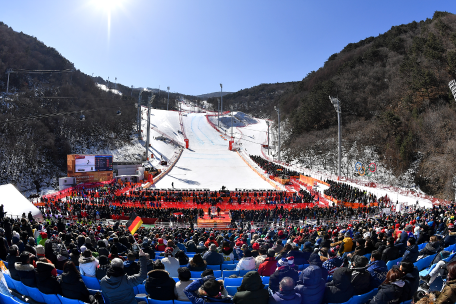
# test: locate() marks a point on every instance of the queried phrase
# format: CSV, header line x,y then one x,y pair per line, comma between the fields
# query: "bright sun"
x,y
108,5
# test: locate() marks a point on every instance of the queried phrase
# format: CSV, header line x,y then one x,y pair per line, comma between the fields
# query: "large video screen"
x,y
93,163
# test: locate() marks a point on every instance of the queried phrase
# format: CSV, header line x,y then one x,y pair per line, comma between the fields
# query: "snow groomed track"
x,y
208,163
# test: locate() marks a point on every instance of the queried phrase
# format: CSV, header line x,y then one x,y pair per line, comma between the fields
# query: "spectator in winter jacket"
x,y
347,244
251,290
431,248
197,263
261,257
191,246
12,258
247,262
315,260
377,269
88,264
311,285
206,290
201,248
184,276
299,256
25,270
160,246
159,285
390,291
182,257
391,252
360,277
117,287
72,285
46,281
283,270
130,266
278,246
411,253
286,293
448,294
340,289
227,252
102,268
411,278
212,257
333,262
450,238
170,262
269,265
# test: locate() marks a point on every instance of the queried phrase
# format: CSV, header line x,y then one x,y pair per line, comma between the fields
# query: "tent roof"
x,y
15,203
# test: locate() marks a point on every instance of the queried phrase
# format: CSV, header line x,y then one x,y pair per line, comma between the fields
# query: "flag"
x,y
134,223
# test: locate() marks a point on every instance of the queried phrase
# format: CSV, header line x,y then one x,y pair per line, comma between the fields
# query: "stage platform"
x,y
220,222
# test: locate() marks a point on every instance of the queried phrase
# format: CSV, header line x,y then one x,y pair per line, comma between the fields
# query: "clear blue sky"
x,y
194,45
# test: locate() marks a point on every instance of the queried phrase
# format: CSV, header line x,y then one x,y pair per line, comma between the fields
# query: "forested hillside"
x,y
32,149
397,108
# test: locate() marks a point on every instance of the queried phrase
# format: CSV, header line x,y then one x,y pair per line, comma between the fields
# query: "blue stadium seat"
x,y
329,278
227,273
228,266
231,290
266,286
190,254
8,300
21,288
265,280
421,246
69,301
407,302
449,258
183,265
244,272
152,301
302,267
181,302
91,283
214,267
232,281
361,299
217,273
34,293
450,248
59,272
426,271
196,274
228,262
9,281
51,298
176,279
141,289
390,264
423,263
368,256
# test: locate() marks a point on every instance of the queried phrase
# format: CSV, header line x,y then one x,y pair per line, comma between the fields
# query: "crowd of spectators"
x,y
338,259
347,193
273,168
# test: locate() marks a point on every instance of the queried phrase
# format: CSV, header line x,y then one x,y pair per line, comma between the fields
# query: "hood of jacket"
x,y
311,276
158,276
399,283
342,278
44,268
314,259
379,265
287,294
251,282
83,260
70,277
23,267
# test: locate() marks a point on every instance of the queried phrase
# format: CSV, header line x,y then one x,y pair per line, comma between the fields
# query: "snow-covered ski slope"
x,y
208,164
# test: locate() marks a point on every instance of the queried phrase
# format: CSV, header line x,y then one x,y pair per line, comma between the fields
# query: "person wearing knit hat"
x,y
247,262
206,290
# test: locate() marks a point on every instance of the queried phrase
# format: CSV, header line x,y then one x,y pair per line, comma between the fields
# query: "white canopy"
x,y
14,203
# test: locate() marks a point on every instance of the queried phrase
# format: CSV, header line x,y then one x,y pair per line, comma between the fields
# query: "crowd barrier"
x,y
63,193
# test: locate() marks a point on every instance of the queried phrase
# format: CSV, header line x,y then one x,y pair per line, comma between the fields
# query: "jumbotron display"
x,y
89,168
93,163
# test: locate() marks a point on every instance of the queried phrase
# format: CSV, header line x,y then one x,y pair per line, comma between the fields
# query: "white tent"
x,y
14,203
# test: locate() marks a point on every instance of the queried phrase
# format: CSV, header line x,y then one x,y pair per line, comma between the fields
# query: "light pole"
x,y
267,122
139,114
231,124
278,114
336,103
167,105
151,99
221,103
218,112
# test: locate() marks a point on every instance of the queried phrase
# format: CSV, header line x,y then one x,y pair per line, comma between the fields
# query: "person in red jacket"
x,y
269,265
160,246
210,241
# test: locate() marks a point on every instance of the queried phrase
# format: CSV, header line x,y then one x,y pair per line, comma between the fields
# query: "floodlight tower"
x,y
151,99
115,86
218,112
167,105
278,123
336,103
138,105
221,97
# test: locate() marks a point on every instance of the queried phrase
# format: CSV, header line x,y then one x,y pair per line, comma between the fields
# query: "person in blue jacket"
x,y
206,290
377,269
411,253
311,285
